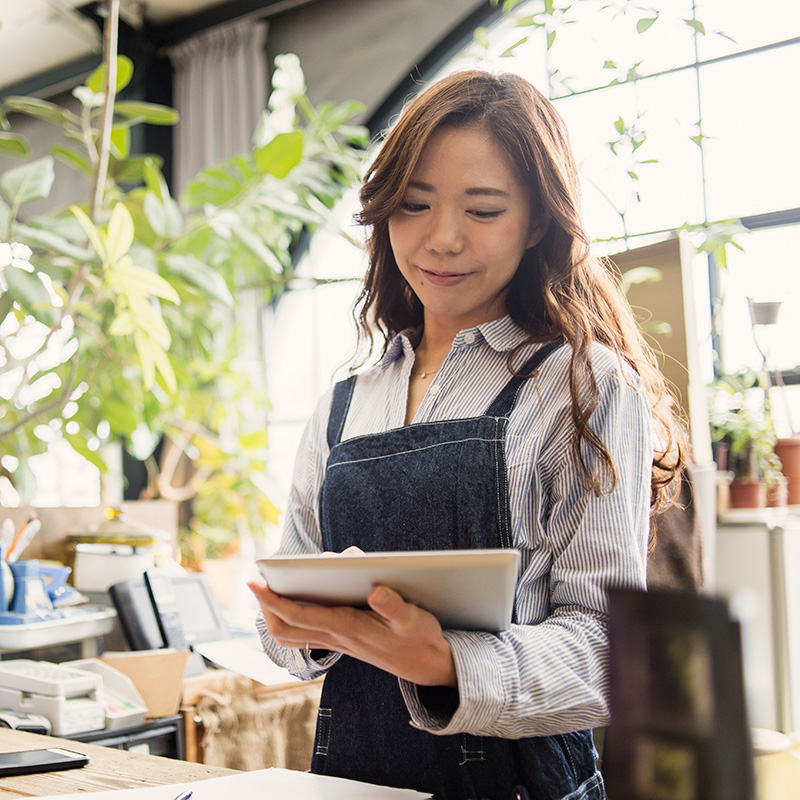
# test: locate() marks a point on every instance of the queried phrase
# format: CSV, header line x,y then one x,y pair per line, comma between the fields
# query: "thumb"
x,y
387,603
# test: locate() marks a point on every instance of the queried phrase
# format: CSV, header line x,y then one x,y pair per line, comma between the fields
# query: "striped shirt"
x,y
548,673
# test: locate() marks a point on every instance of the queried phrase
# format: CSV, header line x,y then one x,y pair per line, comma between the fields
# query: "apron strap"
x,y
340,404
504,403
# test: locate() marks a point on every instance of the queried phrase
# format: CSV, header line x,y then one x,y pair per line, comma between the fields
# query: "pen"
x,y
184,795
23,539
19,533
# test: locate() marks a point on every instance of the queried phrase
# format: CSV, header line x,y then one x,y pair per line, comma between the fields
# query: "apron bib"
x,y
429,486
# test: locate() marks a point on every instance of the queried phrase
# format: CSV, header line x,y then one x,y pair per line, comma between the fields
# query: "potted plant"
x,y
118,315
744,437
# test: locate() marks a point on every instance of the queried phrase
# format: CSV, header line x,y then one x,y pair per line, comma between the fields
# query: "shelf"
x,y
87,622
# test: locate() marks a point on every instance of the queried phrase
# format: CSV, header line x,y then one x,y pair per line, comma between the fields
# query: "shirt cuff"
x,y
303,664
480,695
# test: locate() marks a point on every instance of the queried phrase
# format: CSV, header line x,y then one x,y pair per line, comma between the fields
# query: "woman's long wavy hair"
x,y
559,290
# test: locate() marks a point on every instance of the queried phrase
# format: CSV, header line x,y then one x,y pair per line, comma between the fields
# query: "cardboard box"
x,y
157,676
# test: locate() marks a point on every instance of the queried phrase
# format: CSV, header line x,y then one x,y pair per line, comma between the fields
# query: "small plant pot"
x,y
748,494
778,494
788,451
764,313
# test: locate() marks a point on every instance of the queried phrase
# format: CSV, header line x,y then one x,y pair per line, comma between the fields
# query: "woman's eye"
x,y
413,207
485,214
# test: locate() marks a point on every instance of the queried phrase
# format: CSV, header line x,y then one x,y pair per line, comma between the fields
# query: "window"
x,y
732,78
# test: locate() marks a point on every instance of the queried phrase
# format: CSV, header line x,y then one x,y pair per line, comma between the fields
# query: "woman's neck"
x,y
432,348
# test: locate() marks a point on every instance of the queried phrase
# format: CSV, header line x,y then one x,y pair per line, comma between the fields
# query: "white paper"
x,y
246,656
260,784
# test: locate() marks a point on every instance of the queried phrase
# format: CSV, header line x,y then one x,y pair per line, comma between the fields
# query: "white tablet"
x,y
466,589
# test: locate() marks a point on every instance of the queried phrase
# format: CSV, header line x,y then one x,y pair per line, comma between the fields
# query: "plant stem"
x,y
107,117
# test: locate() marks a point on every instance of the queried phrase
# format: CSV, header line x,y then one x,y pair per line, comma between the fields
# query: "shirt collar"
x,y
502,335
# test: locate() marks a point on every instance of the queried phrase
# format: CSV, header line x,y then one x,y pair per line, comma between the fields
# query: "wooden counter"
x,y
108,768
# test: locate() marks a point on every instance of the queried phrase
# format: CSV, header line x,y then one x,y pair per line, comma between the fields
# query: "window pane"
x,y
595,32
765,273
748,25
752,158
668,193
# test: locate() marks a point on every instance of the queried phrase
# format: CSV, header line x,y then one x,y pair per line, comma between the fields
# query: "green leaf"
x,y
509,51
49,239
257,440
165,218
619,124
151,113
155,214
129,170
120,416
91,231
12,144
72,158
154,178
29,291
120,233
144,282
639,275
645,23
281,155
40,109
174,218
696,25
121,142
481,37
164,366
124,74
256,245
79,445
123,324
551,38
29,182
657,327
609,65
144,348
198,274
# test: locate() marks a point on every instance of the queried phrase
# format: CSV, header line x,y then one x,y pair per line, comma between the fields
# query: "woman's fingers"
x,y
393,635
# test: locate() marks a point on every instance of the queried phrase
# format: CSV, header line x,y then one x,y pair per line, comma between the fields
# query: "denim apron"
x,y
429,486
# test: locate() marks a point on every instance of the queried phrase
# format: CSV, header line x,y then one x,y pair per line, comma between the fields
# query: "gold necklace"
x,y
422,374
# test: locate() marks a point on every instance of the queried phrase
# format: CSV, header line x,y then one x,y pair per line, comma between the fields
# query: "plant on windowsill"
x,y
116,315
744,437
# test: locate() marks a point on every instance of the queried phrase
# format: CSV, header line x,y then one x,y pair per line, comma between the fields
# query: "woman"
x,y
514,406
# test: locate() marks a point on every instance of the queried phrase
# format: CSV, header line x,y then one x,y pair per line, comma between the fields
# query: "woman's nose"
x,y
444,234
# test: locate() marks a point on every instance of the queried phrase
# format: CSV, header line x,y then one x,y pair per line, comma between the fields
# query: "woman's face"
x,y
462,228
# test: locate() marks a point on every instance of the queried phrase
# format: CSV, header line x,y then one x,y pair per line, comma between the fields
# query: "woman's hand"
x,y
393,635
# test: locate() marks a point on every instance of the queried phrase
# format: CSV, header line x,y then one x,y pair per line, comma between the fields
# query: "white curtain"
x,y
220,92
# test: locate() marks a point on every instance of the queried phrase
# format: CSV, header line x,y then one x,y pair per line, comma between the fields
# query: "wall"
x,y
361,49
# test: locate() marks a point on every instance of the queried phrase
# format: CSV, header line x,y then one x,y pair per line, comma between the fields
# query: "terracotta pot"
x,y
748,494
788,451
778,495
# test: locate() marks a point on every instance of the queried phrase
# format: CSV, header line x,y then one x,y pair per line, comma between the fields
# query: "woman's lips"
x,y
444,278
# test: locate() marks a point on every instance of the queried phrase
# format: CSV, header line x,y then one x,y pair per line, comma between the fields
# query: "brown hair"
x,y
559,289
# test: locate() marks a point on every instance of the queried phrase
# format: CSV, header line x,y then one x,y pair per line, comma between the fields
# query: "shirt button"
x,y
469,338
434,388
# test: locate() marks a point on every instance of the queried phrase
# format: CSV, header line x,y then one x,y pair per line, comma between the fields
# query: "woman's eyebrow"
x,y
488,191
